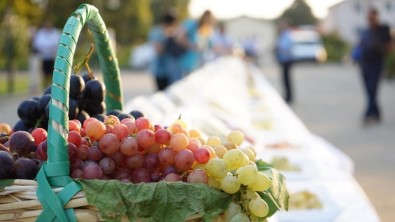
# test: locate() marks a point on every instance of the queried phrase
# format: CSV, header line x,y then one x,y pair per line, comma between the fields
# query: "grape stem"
x,y
84,62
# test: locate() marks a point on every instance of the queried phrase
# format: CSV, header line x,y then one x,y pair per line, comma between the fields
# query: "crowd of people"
x,y
181,47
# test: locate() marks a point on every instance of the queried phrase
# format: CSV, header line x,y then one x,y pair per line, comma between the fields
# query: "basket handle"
x,y
56,171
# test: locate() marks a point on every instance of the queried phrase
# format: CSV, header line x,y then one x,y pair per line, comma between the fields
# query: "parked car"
x,y
307,46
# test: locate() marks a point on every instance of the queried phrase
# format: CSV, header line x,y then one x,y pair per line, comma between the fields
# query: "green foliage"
x,y
389,65
336,47
159,7
299,13
169,201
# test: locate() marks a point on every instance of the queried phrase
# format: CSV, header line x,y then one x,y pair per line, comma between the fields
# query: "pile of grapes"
x,y
86,98
134,151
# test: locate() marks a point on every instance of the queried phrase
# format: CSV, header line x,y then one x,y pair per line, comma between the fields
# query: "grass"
x,y
21,83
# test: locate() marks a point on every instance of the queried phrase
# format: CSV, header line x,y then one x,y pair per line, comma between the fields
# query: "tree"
x,y
299,13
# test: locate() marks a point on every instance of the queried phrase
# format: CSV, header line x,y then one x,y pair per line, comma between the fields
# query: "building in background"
x,y
246,31
348,17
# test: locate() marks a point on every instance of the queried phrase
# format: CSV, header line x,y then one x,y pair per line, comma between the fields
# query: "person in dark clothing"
x,y
374,45
283,54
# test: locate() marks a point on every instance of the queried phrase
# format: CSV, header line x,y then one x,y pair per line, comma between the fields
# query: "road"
x,y
329,100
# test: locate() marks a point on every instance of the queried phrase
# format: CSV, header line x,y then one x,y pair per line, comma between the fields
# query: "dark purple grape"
x,y
82,116
22,142
86,77
156,176
73,108
107,165
169,170
141,175
114,112
47,90
136,114
43,102
151,161
124,116
76,163
122,174
7,169
94,91
77,85
28,111
94,108
25,168
100,117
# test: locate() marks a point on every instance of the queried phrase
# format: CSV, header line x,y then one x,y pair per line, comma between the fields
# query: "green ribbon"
x,y
55,172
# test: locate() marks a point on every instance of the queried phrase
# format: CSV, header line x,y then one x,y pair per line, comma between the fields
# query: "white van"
x,y
307,46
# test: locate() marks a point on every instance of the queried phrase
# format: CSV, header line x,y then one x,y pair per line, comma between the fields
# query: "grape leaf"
x,y
5,183
277,196
162,201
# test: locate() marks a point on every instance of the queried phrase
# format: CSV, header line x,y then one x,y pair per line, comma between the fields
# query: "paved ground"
x,y
330,102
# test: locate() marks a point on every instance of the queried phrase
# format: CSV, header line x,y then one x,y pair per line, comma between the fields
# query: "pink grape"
x,y
107,165
141,175
193,146
197,176
109,143
129,146
117,157
145,138
157,127
184,160
122,174
151,161
154,148
172,177
39,135
202,155
162,136
134,162
92,171
94,153
121,131
179,142
166,156
72,150
74,137
82,152
77,173
41,151
76,164
131,125
143,123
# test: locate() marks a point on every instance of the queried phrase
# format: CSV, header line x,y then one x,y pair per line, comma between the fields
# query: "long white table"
x,y
231,94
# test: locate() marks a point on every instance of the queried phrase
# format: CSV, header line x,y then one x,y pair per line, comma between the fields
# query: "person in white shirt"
x,y
45,42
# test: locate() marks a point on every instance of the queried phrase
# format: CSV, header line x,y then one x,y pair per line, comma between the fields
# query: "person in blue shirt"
x,y
283,54
169,48
198,34
374,45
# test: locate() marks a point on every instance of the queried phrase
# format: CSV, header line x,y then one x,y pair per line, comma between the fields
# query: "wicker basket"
x,y
55,196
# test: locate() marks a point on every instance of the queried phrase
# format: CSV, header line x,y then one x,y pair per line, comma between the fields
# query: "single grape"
x,y
109,128
123,116
197,176
143,123
21,126
230,184
5,129
94,108
236,137
82,116
7,169
155,148
114,112
76,163
25,168
121,131
72,150
141,175
39,135
151,161
77,173
162,136
109,143
101,117
94,90
202,155
129,146
28,111
73,108
95,129
41,151
156,176
157,127
107,165
74,138
230,146
176,128
247,174
111,120
220,151
240,217
172,177
117,157
258,207
122,174
145,138
75,125
94,153
216,168
43,102
213,141
193,146
232,210
136,114
214,182
131,125
77,86
194,133
261,183
166,156
134,162
169,170
179,142
249,153
82,152
184,160
92,171
234,159
22,143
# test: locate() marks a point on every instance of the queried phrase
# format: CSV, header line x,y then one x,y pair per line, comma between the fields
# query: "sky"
x,y
255,8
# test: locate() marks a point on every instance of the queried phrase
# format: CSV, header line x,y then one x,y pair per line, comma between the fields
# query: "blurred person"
x,y
198,34
375,43
283,54
221,42
45,43
169,47
251,48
